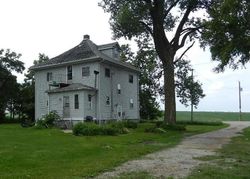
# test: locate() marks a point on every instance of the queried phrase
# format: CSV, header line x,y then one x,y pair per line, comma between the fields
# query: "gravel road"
x,y
180,160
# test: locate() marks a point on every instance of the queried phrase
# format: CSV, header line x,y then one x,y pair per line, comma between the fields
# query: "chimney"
x,y
86,37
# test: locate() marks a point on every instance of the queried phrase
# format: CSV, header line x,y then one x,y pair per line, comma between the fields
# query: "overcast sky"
x,y
30,27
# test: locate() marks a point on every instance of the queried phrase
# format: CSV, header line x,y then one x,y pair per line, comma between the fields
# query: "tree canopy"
x,y
9,62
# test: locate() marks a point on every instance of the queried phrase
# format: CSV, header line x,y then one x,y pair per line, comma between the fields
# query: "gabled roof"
x,y
72,87
86,51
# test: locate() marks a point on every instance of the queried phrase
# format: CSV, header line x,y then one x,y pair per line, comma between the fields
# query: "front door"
x,y
66,107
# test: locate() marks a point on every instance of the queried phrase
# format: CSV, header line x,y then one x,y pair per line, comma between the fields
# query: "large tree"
x,y
173,24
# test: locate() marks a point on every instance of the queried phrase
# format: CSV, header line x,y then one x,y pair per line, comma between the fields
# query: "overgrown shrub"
x,y
108,130
48,120
90,129
178,127
155,130
130,124
119,126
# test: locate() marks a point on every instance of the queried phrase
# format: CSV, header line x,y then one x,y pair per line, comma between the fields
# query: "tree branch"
x,y
180,27
185,37
170,8
147,27
184,52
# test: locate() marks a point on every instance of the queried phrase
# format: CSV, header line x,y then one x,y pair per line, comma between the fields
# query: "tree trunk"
x,y
169,90
166,53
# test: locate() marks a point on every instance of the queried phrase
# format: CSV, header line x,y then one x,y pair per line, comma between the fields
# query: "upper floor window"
x,y
85,71
107,72
107,100
130,78
69,72
49,76
76,101
131,103
119,88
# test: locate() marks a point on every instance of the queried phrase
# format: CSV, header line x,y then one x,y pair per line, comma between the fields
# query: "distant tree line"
x,y
16,98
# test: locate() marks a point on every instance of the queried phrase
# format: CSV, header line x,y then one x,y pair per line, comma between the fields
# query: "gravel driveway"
x,y
180,160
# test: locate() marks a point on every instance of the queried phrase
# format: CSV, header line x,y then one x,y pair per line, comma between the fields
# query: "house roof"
x,y
108,46
86,51
72,87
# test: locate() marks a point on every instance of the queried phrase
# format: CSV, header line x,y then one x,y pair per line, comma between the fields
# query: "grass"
x,y
50,153
232,161
212,116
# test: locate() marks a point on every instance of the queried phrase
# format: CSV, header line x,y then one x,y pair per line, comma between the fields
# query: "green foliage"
x,y
155,130
9,90
91,129
178,127
87,129
47,121
130,124
118,125
187,88
227,33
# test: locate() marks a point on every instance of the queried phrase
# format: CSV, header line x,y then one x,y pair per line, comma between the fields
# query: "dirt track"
x,y
180,160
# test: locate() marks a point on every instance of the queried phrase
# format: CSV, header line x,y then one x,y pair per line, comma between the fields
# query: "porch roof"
x,y
72,87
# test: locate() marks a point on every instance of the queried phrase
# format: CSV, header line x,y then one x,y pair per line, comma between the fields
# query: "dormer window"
x,y
69,72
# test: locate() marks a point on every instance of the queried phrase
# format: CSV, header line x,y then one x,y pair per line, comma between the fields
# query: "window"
x,y
90,101
118,88
131,103
69,72
49,76
76,101
130,78
85,71
107,72
107,100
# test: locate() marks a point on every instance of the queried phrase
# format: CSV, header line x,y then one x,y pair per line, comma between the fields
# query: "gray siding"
x,y
129,91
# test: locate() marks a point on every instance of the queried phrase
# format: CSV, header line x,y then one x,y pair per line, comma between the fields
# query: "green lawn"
x,y
232,161
212,116
50,153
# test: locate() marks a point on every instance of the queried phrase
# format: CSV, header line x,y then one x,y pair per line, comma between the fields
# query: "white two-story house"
x,y
87,80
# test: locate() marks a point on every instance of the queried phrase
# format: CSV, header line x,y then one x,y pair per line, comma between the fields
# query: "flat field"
x,y
212,116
